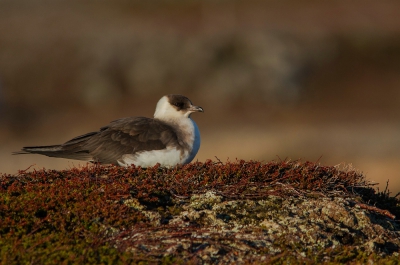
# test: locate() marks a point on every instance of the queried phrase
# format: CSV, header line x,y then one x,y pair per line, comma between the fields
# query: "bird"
x,y
171,138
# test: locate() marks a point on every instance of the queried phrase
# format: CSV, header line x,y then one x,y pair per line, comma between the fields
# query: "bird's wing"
x,y
125,136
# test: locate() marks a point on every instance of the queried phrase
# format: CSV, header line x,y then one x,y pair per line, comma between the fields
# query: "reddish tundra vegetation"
x,y
245,212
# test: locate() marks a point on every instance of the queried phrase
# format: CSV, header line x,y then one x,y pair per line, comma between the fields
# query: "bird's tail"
x,y
43,150
55,151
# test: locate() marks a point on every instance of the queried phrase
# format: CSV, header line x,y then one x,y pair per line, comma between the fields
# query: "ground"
x,y
244,212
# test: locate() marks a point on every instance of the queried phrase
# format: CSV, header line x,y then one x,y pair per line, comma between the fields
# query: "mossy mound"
x,y
214,213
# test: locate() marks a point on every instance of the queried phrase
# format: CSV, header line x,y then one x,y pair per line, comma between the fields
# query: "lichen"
x,y
203,213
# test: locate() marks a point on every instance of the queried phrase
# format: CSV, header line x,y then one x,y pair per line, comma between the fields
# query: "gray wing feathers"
x,y
129,136
123,136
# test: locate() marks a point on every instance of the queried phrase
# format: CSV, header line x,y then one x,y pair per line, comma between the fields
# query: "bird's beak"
x,y
196,109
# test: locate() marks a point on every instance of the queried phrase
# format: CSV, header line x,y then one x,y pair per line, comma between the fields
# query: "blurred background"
x,y
309,80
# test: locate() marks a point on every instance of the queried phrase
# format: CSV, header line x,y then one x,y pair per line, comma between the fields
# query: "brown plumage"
x,y
129,136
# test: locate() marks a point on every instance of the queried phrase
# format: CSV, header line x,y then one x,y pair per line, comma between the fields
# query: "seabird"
x,y
170,138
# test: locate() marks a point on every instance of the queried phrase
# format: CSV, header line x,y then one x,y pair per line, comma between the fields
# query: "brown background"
x,y
310,80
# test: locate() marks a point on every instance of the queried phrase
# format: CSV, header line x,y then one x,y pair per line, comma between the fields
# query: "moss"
x,y
242,212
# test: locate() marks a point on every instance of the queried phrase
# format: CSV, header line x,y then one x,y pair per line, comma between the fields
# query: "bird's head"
x,y
175,107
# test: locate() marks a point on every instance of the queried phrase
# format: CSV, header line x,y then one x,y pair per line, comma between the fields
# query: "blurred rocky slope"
x,y
68,67
88,53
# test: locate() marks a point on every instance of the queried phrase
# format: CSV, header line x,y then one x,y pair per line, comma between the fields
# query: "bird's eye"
x,y
178,104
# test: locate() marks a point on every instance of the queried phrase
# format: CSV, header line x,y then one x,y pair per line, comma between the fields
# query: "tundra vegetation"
x,y
245,212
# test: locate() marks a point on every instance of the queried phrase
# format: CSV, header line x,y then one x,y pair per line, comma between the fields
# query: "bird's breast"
x,y
188,138
193,141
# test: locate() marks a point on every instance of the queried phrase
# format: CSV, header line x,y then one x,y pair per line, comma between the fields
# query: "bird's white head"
x,y
175,107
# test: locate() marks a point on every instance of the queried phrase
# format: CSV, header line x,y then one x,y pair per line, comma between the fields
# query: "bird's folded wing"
x,y
126,136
